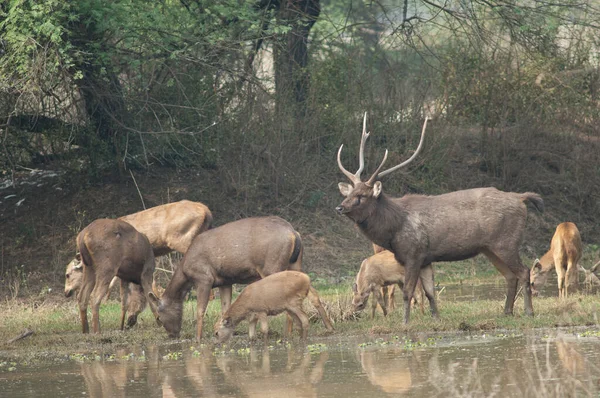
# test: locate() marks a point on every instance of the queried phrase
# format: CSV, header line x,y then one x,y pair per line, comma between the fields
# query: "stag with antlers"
x,y
455,226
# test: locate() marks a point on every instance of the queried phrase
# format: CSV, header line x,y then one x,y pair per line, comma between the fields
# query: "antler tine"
x,y
361,154
350,176
376,173
406,162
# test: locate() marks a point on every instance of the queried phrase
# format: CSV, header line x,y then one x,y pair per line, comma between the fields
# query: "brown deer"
x,y
112,248
242,251
564,255
389,292
272,295
379,271
454,226
169,227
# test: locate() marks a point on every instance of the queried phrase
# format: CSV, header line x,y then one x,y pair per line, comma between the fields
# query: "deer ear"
x,y
155,300
537,265
354,288
377,189
345,188
78,257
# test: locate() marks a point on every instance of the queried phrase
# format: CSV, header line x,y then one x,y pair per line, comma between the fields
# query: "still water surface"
x,y
477,365
557,362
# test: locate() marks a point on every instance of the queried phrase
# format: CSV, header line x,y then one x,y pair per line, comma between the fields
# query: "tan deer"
x,y
563,256
379,271
169,227
421,229
272,295
242,251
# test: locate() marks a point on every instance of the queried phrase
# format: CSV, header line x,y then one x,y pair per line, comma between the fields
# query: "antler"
x,y
406,162
355,178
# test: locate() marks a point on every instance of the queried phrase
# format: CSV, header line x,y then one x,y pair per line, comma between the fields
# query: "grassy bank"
x,y
55,321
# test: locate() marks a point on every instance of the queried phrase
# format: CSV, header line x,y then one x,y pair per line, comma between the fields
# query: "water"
x,y
477,365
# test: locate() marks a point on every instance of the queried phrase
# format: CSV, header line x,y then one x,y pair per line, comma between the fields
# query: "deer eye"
x,y
67,276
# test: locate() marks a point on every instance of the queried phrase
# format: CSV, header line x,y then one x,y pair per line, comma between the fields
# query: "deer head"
x,y
361,196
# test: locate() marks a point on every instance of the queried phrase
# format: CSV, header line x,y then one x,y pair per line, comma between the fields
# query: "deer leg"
x,y
427,284
97,296
147,279
83,300
374,304
560,274
264,325
379,299
314,298
384,293
252,320
391,298
512,268
124,294
572,282
301,318
225,293
203,295
410,278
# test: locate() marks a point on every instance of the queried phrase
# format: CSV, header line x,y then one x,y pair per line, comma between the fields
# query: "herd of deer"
x,y
408,234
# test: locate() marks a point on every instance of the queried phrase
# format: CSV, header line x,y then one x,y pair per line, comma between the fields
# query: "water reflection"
x,y
562,365
259,377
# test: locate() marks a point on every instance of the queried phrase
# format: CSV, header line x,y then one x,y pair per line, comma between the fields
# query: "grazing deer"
x,y
421,229
272,295
169,227
379,271
112,248
564,255
242,251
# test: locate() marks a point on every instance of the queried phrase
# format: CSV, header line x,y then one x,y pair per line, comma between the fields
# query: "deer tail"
x,y
83,251
534,199
297,248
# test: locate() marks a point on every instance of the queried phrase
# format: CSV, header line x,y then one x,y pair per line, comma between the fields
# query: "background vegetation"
x,y
243,104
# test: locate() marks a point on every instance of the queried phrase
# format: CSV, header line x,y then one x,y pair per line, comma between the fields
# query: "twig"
x,y
138,189
164,270
26,333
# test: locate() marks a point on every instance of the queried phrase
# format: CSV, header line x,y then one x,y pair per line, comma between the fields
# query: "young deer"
x,y
564,255
421,229
379,271
272,295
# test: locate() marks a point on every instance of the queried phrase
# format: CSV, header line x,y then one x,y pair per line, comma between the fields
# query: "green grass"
x,y
57,326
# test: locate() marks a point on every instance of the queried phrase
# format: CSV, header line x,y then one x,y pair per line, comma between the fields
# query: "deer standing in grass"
x,y
454,226
112,248
564,255
378,272
242,251
272,295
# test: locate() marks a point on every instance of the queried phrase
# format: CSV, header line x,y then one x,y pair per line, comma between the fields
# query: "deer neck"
x,y
386,217
178,286
547,261
236,313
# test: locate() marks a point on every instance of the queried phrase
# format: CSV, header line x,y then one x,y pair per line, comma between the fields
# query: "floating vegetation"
x,y
173,356
316,348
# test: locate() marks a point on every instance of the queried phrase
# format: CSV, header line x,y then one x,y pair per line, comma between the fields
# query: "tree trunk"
x,y
291,56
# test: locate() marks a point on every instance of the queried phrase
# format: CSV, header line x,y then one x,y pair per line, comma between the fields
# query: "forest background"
x,y
109,107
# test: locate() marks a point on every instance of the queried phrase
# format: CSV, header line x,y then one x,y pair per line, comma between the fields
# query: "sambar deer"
x,y
169,227
272,295
564,255
112,248
389,292
379,271
241,251
454,226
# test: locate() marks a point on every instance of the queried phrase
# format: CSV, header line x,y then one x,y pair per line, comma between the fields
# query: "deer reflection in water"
x,y
256,378
389,370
